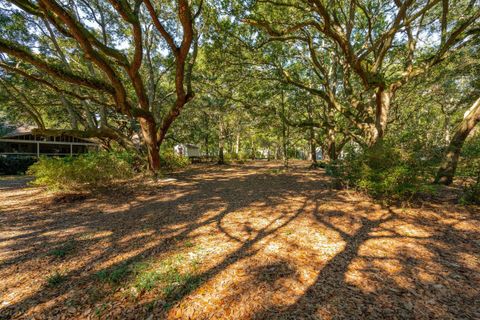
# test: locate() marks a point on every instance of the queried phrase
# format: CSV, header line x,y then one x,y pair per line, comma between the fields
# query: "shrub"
x,y
88,170
471,193
11,165
382,170
239,158
171,161
469,164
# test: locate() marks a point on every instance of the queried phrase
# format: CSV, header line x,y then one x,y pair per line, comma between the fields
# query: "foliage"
x,y
115,275
10,165
5,128
383,170
171,161
471,194
90,170
101,71
246,79
469,164
470,167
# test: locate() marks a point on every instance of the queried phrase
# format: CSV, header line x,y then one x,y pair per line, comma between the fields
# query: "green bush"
x,y
12,165
171,161
469,164
88,170
235,157
471,193
382,170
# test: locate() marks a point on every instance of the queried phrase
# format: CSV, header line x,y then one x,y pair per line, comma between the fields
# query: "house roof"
x,y
20,131
25,130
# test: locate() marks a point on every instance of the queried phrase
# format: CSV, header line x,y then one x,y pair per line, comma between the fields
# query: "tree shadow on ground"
x,y
384,262
148,225
419,277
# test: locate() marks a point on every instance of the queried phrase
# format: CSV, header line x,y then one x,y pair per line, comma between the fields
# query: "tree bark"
x,y
284,132
221,143
313,147
329,148
237,143
449,165
383,98
149,133
206,146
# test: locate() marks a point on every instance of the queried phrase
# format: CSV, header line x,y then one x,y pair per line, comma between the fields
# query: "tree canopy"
x,y
266,78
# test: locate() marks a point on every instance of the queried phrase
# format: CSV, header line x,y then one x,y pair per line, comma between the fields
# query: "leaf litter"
x,y
235,242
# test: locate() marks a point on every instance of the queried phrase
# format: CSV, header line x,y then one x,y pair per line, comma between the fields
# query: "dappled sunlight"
x,y
238,247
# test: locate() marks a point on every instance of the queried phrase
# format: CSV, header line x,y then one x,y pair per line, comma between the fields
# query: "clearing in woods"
x,y
234,242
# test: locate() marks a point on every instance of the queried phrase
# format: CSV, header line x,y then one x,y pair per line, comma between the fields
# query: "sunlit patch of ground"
x,y
235,242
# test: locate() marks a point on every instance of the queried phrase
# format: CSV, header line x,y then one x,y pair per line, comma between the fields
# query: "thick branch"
x,y
23,53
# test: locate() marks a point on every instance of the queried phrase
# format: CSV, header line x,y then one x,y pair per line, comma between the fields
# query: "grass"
x,y
180,285
172,277
188,244
116,274
63,250
55,279
165,273
99,310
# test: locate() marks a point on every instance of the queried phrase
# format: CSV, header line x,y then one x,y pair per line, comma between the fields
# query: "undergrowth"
x,y
169,160
171,278
383,171
86,171
63,250
55,279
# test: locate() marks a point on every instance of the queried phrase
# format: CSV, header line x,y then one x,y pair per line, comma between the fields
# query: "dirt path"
x,y
14,182
235,242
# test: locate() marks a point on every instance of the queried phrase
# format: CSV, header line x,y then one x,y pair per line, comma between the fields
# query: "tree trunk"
x,y
221,158
71,113
329,150
313,147
284,134
237,143
103,117
149,133
381,114
206,146
449,165
284,145
221,143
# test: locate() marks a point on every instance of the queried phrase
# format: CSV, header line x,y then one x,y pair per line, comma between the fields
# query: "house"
x,y
187,150
22,142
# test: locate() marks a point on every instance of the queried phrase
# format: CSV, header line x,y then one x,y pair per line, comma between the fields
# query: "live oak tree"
x,y
447,169
383,43
278,77
126,46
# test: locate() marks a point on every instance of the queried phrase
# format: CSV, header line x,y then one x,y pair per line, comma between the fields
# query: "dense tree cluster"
x,y
270,78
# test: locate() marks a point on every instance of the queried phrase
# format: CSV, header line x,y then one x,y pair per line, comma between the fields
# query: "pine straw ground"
x,y
235,242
